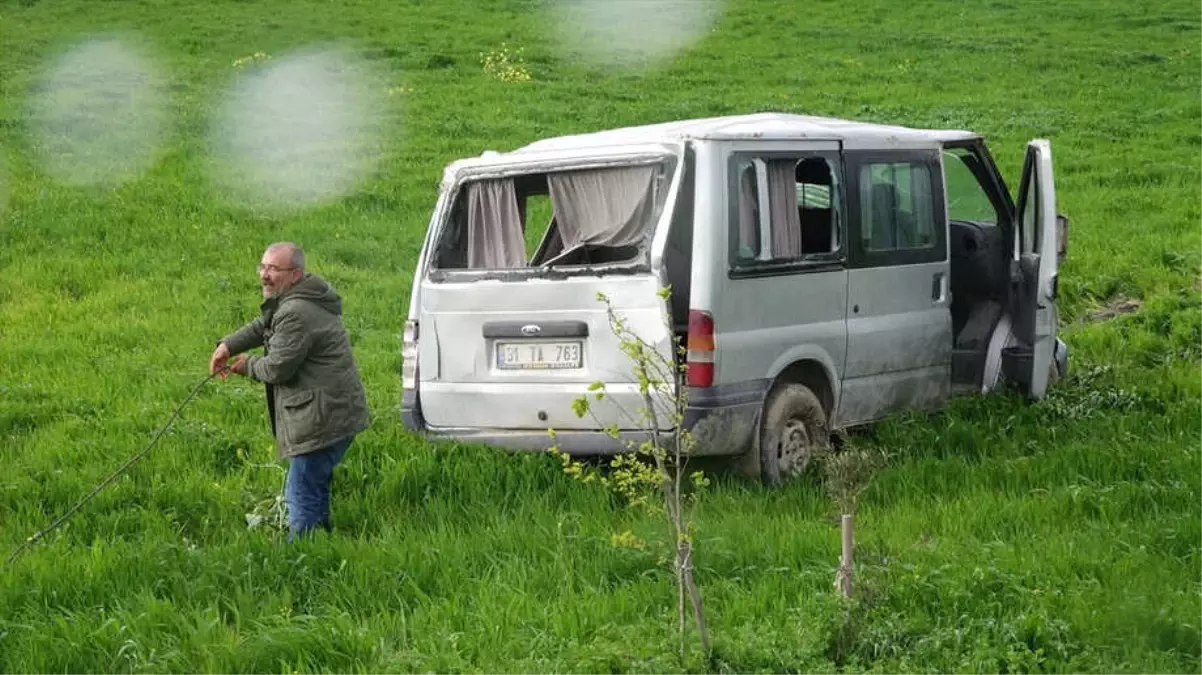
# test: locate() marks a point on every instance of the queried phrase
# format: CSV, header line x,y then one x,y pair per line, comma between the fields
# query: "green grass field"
x,y
1002,537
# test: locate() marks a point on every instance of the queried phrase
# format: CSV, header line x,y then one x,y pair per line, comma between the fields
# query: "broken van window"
x,y
558,218
789,210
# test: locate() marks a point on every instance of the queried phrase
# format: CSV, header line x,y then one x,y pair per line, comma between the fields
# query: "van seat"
x,y
978,262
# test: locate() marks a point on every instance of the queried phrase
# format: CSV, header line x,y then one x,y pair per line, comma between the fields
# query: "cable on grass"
x,y
33,539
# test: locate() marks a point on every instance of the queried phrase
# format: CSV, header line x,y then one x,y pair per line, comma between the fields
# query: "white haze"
x,y
98,116
631,33
297,130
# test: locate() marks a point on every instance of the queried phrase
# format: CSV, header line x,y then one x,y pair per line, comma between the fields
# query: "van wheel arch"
x,y
813,376
802,379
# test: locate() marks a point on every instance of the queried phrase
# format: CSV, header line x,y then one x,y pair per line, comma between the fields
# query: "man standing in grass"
x,y
315,397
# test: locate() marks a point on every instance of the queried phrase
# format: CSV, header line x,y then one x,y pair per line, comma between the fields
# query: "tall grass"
x,y
1003,536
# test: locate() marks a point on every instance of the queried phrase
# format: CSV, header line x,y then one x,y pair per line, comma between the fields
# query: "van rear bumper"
x,y
411,411
723,420
574,442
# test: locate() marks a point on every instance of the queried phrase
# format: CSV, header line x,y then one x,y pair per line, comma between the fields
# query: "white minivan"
x,y
823,272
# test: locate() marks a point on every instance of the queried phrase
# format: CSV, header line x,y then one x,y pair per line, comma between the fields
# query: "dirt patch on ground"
x,y
1115,306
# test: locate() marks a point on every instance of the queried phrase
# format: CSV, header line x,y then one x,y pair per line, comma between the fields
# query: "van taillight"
x,y
700,347
409,356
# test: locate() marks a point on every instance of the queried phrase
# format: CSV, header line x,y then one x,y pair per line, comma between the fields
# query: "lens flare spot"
x,y
630,33
99,115
298,130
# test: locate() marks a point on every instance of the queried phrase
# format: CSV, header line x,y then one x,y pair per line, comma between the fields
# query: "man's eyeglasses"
x,y
274,268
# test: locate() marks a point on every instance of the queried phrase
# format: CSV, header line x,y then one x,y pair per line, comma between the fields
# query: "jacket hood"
x,y
316,290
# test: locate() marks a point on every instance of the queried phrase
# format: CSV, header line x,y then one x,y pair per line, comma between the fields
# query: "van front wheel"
x,y
794,431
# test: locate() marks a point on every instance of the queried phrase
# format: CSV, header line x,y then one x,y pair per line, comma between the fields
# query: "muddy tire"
x,y
793,432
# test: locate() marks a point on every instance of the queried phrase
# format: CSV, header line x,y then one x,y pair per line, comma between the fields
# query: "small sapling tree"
x,y
653,473
846,475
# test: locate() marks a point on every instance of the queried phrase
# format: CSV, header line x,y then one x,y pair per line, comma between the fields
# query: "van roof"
x,y
756,126
655,139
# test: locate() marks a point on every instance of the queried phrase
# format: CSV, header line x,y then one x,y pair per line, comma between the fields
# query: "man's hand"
x,y
219,358
239,365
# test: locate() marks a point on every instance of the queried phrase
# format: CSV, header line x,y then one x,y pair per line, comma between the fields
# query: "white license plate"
x,y
539,355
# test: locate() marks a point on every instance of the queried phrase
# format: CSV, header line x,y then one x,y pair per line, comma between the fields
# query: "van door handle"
x,y
937,287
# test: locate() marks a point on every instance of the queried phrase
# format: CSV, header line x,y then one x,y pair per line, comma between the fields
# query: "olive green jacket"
x,y
315,396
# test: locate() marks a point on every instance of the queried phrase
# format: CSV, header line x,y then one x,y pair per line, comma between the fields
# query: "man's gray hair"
x,y
295,253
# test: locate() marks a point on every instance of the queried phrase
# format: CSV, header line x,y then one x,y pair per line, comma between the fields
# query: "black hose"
x,y
33,539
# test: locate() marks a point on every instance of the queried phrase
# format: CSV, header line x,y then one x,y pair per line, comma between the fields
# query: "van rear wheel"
x,y
793,433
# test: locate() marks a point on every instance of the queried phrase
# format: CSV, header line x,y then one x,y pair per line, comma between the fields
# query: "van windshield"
x,y
563,218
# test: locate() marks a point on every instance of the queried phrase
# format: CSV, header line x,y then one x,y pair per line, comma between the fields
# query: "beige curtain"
x,y
602,207
782,202
494,227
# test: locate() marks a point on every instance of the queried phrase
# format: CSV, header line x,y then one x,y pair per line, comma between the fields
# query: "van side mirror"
x,y
1061,236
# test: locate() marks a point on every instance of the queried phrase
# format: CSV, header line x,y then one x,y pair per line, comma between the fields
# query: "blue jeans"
x,y
307,491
